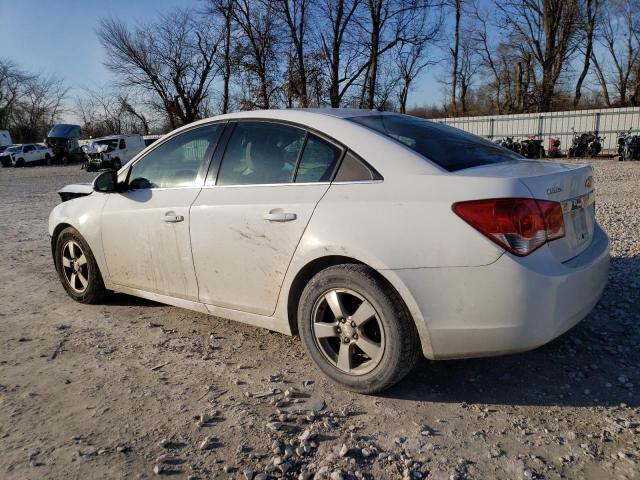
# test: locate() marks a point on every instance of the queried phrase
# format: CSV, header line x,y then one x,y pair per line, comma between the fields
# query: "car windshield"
x,y
14,149
450,148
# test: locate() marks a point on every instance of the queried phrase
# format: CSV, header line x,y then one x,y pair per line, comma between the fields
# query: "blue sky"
x,y
58,37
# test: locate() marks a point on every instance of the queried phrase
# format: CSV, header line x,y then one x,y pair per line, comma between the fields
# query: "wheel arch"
x,y
304,275
54,238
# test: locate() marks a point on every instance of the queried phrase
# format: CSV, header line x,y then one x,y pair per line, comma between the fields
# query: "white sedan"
x,y
374,236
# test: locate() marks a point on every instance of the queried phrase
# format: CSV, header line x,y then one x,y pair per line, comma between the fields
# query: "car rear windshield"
x,y
446,146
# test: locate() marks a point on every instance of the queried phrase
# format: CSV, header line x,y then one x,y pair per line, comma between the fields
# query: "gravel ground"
x,y
132,388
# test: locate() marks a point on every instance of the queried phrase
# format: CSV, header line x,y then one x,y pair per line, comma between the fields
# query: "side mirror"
x,y
106,182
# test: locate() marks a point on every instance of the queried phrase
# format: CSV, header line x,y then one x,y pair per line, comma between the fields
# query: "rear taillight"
x,y
520,225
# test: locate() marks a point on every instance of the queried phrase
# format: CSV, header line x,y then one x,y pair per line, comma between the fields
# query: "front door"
x,y
145,229
246,227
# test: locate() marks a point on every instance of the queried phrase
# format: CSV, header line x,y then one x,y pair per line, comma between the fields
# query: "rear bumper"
x,y
511,305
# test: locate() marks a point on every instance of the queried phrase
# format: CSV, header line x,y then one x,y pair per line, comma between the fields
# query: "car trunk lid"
x,y
569,184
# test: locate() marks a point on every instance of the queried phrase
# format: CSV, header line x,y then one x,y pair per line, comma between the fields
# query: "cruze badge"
x,y
554,189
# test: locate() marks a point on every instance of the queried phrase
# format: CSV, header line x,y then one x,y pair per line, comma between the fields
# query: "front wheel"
x,y
77,268
20,162
356,329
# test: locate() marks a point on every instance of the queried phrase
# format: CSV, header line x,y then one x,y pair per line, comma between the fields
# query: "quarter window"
x,y
352,169
260,153
176,162
318,161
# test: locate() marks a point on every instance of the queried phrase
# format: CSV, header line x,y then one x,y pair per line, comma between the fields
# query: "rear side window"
x,y
446,146
352,169
260,153
318,161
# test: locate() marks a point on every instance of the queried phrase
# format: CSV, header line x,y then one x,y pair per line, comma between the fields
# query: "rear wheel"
x,y
47,159
356,329
77,268
20,162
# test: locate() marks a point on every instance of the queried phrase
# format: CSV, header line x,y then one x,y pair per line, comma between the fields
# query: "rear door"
x,y
145,229
248,220
29,153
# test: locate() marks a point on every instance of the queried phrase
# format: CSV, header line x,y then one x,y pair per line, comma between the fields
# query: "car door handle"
x,y
171,217
279,216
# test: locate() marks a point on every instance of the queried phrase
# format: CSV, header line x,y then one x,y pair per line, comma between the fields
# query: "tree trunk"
x,y
455,53
602,80
226,74
592,7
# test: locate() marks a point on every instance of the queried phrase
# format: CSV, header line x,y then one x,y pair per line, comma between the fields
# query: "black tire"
x,y
20,162
116,164
401,342
95,291
47,160
64,160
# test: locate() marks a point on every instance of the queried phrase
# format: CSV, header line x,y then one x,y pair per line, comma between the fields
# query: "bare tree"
x,y
295,14
39,106
389,22
469,66
620,37
12,79
257,51
222,11
548,29
339,52
587,24
412,58
172,58
455,53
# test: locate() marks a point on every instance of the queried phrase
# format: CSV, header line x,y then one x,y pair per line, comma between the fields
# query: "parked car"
x,y
63,140
113,151
27,154
375,236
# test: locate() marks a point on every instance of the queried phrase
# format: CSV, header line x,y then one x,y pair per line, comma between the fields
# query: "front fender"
x,y
84,215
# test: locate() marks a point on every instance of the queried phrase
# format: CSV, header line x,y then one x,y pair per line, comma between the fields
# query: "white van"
x,y
113,151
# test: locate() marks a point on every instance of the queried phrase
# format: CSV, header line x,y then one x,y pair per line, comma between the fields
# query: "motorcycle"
x,y
585,144
508,143
532,147
554,147
628,146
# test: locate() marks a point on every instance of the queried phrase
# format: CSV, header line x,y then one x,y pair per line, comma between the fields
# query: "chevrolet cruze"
x,y
376,237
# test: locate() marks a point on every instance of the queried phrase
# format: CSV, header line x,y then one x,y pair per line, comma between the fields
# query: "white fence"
x,y
606,122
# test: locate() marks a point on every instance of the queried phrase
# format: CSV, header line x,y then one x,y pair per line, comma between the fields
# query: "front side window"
x,y
318,161
448,147
176,162
123,145
260,153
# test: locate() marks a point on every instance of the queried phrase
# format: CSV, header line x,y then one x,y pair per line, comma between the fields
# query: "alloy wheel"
x,y
348,331
75,266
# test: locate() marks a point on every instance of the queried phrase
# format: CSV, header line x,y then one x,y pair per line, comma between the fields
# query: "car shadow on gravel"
x,y
593,364
124,300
